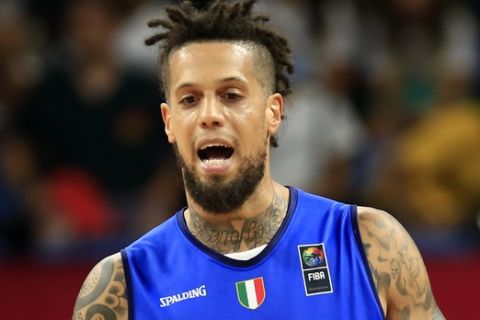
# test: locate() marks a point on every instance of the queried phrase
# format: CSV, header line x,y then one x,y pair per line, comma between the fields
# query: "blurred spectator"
x,y
432,180
20,63
16,181
83,156
97,134
133,30
440,155
20,70
321,125
296,31
416,57
475,5
424,50
323,135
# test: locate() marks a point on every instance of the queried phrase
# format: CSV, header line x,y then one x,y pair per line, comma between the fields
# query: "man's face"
x,y
220,119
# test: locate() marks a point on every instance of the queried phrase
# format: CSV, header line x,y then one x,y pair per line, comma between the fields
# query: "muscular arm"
x,y
103,294
398,270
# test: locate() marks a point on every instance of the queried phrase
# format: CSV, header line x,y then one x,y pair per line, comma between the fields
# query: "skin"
x,y
221,98
397,267
214,93
103,294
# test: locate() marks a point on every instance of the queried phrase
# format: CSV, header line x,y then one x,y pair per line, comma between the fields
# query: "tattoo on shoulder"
x,y
397,268
103,294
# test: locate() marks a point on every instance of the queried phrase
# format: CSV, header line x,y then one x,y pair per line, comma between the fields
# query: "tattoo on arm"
x,y
103,294
397,268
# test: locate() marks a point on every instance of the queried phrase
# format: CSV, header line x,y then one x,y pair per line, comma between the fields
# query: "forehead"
x,y
232,49
211,60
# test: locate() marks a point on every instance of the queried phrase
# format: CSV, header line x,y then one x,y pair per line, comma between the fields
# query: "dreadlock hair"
x,y
233,21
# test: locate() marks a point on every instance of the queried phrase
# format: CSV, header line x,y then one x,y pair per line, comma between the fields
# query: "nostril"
x,y
211,123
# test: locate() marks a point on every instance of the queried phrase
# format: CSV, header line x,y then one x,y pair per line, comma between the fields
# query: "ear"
x,y
274,112
165,108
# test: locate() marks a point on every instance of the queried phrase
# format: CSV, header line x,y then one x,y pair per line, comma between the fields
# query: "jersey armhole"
x,y
128,283
361,249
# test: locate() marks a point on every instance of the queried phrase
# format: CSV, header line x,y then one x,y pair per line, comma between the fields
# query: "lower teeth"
x,y
214,162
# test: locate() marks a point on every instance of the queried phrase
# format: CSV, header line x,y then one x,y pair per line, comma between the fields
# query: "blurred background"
x,y
385,113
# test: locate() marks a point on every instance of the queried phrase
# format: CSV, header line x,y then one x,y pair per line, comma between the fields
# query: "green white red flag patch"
x,y
251,293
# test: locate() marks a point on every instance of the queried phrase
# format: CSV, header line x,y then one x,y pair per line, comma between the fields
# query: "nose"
x,y
211,113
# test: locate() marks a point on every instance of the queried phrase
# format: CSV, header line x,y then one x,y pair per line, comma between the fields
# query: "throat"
x,y
239,235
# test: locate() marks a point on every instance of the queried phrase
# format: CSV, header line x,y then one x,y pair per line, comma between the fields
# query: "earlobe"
x,y
165,108
274,112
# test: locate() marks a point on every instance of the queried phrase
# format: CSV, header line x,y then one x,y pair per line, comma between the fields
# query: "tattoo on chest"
x,y
254,232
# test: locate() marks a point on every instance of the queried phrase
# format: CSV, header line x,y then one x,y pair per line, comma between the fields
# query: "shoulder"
x,y
103,293
306,199
397,267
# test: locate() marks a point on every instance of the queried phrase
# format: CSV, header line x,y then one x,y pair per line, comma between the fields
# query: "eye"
x,y
232,96
189,100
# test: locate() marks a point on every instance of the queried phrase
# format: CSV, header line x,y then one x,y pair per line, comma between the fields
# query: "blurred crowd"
x,y
385,113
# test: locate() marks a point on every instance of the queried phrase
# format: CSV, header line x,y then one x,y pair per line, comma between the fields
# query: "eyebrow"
x,y
224,80
231,79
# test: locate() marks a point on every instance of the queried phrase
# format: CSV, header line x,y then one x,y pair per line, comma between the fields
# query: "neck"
x,y
239,231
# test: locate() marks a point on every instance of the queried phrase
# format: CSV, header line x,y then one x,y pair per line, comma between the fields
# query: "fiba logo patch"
x,y
316,275
313,257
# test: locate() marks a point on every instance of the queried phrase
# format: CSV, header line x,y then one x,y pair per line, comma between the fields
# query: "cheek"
x,y
186,151
251,116
183,139
251,128
182,122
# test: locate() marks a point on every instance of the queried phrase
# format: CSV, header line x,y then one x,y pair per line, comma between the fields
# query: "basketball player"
x,y
247,247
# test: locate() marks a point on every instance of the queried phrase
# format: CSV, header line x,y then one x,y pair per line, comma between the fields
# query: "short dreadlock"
x,y
223,21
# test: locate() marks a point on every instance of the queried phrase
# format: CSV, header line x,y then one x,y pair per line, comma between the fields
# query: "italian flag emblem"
x,y
251,293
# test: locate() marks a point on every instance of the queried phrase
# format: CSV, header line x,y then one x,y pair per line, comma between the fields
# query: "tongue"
x,y
216,153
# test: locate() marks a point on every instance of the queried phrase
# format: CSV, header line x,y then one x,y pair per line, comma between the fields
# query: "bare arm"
x,y
397,267
103,294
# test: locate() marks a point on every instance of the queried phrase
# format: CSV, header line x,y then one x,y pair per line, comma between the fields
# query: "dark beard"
x,y
217,196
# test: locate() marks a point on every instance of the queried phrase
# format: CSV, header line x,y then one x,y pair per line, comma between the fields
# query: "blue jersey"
x,y
313,268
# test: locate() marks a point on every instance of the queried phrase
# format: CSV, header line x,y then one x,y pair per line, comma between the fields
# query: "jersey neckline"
x,y
292,204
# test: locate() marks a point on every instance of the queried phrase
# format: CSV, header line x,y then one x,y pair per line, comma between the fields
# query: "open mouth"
x,y
215,154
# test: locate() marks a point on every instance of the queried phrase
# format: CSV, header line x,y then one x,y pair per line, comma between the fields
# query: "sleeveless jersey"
x,y
313,268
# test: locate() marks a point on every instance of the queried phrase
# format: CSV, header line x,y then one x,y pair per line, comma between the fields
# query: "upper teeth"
x,y
214,145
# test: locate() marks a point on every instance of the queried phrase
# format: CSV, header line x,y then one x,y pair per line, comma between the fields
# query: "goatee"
x,y
218,196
